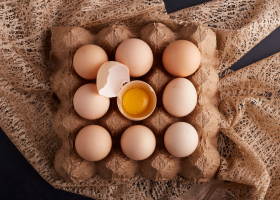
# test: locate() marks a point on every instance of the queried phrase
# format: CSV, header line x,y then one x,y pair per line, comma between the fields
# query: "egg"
x,y
88,103
181,58
111,76
93,143
137,100
138,142
181,139
136,55
179,97
88,59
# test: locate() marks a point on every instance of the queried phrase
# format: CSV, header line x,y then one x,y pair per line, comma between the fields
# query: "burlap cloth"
x,y
248,141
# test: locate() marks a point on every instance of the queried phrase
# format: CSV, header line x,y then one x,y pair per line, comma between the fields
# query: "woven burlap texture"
x,y
248,141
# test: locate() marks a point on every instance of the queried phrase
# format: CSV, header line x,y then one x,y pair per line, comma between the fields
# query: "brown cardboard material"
x,y
248,142
201,166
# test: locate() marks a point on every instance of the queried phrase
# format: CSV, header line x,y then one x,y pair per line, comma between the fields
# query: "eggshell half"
x,y
111,76
152,100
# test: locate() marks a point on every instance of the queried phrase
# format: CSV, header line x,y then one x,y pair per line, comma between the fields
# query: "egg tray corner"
x,y
201,166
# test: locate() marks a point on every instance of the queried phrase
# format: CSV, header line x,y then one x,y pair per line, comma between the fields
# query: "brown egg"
x,y
88,103
93,143
136,55
88,59
138,142
179,97
181,58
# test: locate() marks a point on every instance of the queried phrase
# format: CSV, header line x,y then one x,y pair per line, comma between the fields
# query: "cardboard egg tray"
x,y
201,166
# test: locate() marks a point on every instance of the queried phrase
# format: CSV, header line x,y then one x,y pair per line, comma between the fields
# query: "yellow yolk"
x,y
135,101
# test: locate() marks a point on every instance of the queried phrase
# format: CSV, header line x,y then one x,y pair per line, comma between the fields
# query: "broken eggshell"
x,y
113,80
152,100
111,76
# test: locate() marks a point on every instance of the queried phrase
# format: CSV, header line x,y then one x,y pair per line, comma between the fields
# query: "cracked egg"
x,y
136,100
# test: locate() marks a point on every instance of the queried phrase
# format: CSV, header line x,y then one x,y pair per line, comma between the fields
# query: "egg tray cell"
x,y
200,166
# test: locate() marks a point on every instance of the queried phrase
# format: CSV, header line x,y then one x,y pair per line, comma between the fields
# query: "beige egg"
x,y
138,142
181,58
136,55
93,143
181,139
179,97
88,103
152,100
88,59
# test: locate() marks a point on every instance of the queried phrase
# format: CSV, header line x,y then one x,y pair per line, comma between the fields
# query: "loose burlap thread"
x,y
248,141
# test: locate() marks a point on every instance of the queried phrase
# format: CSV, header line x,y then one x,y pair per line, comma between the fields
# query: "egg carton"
x,y
200,166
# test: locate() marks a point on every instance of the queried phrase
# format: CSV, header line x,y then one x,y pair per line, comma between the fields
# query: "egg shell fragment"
x,y
111,76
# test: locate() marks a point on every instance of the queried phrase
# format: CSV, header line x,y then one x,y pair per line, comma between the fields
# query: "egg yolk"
x,y
135,101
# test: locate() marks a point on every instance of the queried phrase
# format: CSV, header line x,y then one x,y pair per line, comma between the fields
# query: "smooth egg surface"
x,y
93,143
88,103
179,97
138,142
181,58
181,139
88,59
136,55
